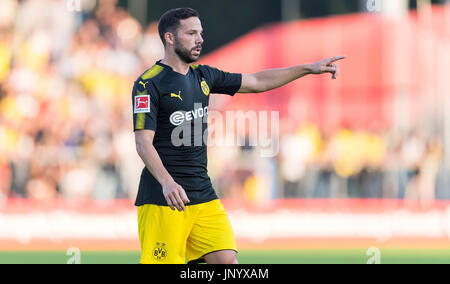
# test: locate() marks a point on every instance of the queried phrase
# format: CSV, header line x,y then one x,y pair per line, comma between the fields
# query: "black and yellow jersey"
x,y
175,106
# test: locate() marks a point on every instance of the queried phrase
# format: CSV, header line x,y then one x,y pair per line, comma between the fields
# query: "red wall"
x,y
385,58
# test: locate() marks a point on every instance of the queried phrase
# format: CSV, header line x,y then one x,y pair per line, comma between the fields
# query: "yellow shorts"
x,y
174,237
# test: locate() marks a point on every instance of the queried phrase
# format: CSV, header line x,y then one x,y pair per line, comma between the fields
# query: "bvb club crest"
x,y
160,252
205,88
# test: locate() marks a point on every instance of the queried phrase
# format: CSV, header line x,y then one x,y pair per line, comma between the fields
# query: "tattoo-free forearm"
x,y
153,162
173,193
273,78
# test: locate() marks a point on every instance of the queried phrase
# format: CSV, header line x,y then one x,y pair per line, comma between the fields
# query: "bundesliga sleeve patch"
x,y
142,104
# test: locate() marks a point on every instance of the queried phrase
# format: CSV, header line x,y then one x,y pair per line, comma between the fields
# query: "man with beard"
x,y
180,217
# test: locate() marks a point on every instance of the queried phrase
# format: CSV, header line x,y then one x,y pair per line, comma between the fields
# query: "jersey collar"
x,y
171,69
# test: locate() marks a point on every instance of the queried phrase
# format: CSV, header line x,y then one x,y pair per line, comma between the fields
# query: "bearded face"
x,y
188,40
186,54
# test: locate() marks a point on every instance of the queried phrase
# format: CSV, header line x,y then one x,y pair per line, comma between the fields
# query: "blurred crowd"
x,y
65,98
66,122
344,163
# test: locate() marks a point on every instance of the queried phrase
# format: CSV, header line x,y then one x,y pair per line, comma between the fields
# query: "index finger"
x,y
336,58
169,202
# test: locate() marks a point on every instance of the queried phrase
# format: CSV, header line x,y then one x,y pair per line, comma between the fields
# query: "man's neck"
x,y
176,63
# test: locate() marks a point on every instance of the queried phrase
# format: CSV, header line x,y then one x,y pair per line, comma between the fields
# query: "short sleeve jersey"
x,y
175,106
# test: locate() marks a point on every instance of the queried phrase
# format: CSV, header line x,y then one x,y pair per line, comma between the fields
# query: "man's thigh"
x,y
163,234
210,233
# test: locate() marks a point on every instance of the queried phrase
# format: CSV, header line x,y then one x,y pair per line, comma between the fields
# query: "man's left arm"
x,y
274,78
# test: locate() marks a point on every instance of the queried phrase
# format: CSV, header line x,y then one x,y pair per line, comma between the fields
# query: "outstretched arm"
x,y
274,78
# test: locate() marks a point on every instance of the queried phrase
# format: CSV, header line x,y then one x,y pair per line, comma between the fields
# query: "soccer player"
x,y
180,217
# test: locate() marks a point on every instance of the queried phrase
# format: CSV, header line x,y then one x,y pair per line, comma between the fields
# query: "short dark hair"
x,y
170,20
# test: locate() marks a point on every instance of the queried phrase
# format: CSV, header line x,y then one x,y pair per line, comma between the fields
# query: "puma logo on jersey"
x,y
143,84
172,95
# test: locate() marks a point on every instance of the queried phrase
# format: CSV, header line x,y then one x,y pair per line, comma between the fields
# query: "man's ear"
x,y
170,38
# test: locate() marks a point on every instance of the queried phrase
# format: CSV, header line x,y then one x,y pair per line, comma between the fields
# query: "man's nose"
x,y
199,39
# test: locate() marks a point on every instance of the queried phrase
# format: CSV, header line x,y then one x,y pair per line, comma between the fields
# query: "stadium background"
x,y
363,161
